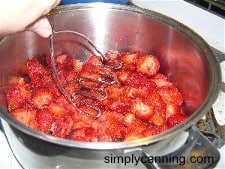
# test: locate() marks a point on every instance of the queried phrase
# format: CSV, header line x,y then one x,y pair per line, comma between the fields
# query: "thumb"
x,y
42,27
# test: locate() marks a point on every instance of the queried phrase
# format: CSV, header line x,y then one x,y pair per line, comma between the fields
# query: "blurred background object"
x,y
215,6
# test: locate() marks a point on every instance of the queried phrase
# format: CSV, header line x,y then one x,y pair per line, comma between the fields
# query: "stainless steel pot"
x,y
185,58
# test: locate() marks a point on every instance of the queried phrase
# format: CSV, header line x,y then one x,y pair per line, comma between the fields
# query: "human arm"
x,y
20,15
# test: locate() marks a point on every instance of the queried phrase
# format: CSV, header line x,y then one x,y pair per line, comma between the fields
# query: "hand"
x,y
20,15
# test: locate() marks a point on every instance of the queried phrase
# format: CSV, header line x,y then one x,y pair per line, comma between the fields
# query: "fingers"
x,y
18,15
56,3
44,6
41,27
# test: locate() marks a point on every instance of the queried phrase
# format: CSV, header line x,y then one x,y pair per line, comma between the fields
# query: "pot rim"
x,y
197,115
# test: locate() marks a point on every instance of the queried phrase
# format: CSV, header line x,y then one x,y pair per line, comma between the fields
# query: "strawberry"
x,y
42,97
35,67
170,94
71,76
18,96
62,76
84,134
56,109
80,124
90,68
155,100
119,105
128,60
148,65
111,55
94,60
79,135
135,130
91,75
45,120
171,109
176,119
142,110
160,80
141,103
90,132
134,79
117,96
38,74
154,129
159,76
71,88
63,126
77,65
87,109
124,76
114,128
129,119
114,91
105,138
132,137
157,120
64,63
15,80
61,59
24,115
140,92
62,101
34,124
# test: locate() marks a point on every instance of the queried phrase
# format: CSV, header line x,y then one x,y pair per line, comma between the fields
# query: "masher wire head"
x,y
101,91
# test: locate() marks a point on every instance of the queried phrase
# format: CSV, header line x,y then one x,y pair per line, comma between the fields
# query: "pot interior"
x,y
184,57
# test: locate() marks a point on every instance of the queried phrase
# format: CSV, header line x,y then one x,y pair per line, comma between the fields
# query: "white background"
x,y
209,26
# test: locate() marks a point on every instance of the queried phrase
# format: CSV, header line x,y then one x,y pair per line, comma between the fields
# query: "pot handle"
x,y
0,124
218,106
197,152
221,58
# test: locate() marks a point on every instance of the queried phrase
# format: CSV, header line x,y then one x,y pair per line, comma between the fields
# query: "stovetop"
x,y
208,25
215,6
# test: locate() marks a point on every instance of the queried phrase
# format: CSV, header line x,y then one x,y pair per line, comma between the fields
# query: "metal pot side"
x,y
185,58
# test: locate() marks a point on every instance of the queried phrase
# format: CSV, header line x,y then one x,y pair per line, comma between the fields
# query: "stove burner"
x,y
210,128
213,6
197,152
